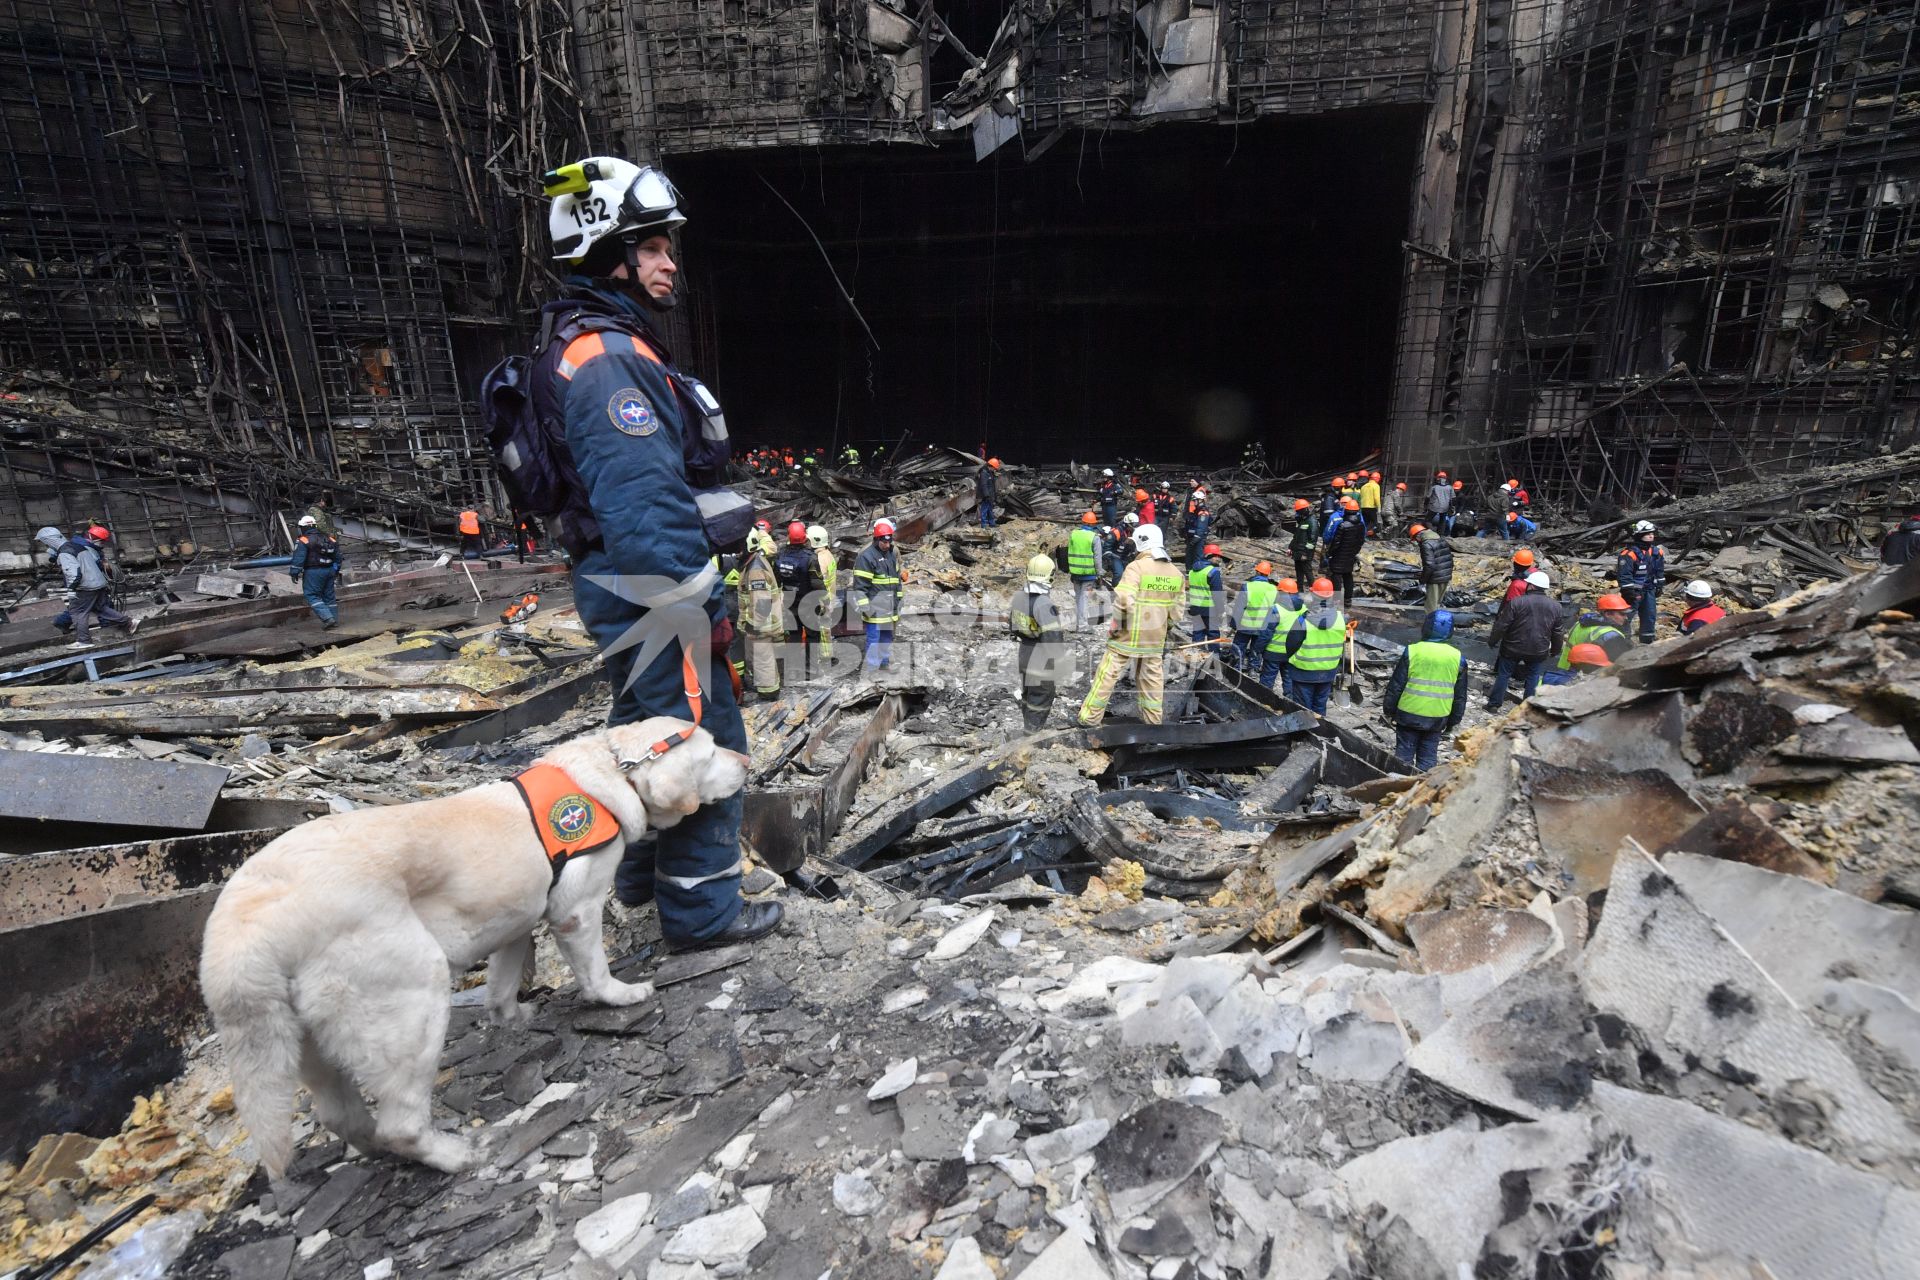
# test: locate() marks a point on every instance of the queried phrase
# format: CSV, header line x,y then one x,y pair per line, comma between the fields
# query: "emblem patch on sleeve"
x,y
571,819
631,413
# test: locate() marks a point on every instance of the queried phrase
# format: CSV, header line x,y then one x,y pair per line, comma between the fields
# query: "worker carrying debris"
x,y
1143,610
1427,693
986,487
1604,629
1044,661
643,438
877,581
1528,630
1641,572
762,614
316,567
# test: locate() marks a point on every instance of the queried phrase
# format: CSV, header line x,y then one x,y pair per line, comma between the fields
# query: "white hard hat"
x,y
1644,526
1130,518
1700,589
1107,472
603,196
307,521
1147,538
816,535
1539,579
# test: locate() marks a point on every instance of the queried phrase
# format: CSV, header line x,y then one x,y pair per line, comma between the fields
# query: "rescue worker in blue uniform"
x,y
1109,499
1641,572
641,554
316,567
1428,693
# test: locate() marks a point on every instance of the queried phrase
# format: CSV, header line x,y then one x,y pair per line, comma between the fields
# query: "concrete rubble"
x,y
1624,987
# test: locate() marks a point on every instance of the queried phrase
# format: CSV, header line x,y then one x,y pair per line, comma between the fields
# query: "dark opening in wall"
x,y
1172,293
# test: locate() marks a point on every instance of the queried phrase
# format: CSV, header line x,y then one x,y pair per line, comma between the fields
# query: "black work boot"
x,y
756,920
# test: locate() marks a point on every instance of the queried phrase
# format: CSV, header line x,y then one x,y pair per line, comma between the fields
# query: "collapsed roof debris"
x,y
1230,996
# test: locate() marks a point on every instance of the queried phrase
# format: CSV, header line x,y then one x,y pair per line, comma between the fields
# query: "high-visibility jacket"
x,y
1283,619
1203,587
1256,603
829,568
1704,615
1144,603
1433,670
1322,647
762,611
876,577
1370,494
470,522
1083,557
1590,629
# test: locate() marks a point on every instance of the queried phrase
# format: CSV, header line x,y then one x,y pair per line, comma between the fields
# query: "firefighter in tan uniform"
x,y
1150,595
762,615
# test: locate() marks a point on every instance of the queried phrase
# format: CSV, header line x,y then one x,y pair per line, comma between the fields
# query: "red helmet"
x,y
1211,549
99,532
796,533
763,526
1439,475
883,528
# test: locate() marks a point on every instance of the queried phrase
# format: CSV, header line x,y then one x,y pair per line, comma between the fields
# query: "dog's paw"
x,y
513,1014
625,993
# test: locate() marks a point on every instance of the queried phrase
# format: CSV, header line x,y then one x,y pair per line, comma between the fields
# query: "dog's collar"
x,y
658,749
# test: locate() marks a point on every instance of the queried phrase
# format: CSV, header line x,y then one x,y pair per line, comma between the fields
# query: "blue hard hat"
x,y
1438,626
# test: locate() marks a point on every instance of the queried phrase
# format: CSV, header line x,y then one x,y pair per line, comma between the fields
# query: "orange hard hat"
x,y
1459,484
1415,530
1288,587
1512,516
1139,495
1301,504
1439,475
1373,475
1211,549
1513,484
1264,567
1087,517
1588,655
1323,588
1611,602
1401,487
994,463
1349,504
1523,558
1335,482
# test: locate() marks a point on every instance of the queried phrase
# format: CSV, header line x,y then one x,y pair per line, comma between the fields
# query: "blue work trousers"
x,y
1311,694
1505,669
879,649
986,513
1647,606
1275,673
317,585
1246,650
1417,747
692,870
1553,675
1109,514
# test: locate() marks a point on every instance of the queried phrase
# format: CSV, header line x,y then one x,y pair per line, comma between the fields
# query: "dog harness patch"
x,y
568,820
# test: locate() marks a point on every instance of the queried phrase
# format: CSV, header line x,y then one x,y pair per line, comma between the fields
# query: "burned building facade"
x,y
1627,250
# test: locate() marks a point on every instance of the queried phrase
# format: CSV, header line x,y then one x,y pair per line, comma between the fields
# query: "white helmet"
x,y
1539,579
1699,589
817,536
1644,526
1147,538
760,542
1132,517
307,522
603,196
1107,472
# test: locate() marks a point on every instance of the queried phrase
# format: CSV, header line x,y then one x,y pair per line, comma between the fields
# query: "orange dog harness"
x,y
567,819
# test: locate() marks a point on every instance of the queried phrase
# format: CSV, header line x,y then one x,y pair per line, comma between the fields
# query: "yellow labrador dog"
x,y
328,958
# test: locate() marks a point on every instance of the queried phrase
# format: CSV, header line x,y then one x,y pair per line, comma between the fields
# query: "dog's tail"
x,y
250,993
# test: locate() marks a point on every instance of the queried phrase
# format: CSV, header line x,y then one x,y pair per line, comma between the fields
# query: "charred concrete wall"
x,y
254,251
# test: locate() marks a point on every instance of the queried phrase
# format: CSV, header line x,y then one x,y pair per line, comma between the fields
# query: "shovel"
x,y
1350,671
